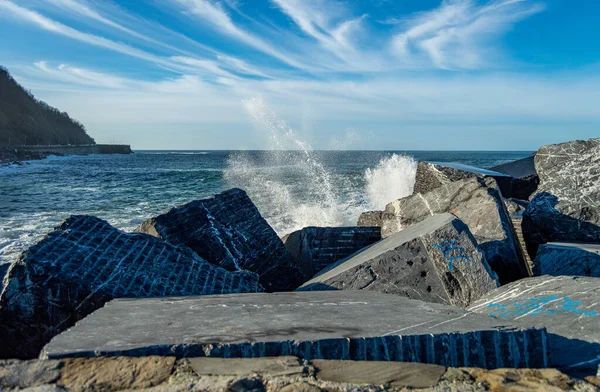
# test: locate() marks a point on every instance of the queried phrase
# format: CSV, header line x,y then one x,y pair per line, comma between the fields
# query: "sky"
x,y
352,74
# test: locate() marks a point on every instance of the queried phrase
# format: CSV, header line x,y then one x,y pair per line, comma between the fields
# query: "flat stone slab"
x,y
563,258
569,307
520,168
311,325
436,260
315,248
478,203
396,375
228,230
86,262
272,366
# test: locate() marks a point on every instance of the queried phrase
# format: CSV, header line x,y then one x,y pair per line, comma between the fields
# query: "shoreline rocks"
x,y
312,325
84,263
566,207
315,248
436,260
227,230
560,258
479,204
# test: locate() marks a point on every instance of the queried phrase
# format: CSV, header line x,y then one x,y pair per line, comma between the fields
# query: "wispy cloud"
x,y
215,15
458,34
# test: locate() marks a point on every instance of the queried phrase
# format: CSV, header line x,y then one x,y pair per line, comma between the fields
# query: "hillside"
x,y
27,120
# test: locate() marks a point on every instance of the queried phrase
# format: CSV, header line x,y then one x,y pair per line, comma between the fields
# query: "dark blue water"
x,y
292,189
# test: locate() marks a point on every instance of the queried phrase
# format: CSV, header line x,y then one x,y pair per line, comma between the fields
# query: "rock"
x,y
85,262
247,385
478,203
275,366
567,306
436,260
227,230
314,248
301,387
556,258
432,175
3,271
24,374
515,207
394,374
542,380
525,178
566,207
370,219
311,325
114,374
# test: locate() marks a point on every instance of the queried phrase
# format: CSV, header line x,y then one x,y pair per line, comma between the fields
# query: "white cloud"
x,y
459,33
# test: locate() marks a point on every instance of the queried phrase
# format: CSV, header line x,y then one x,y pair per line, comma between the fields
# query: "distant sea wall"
x,y
30,152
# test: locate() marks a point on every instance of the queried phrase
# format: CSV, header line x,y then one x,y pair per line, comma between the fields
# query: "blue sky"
x,y
381,74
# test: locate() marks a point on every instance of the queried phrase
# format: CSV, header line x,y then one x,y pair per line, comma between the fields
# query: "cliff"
x,y
25,120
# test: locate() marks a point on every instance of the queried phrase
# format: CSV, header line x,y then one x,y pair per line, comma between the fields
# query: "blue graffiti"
x,y
452,252
536,306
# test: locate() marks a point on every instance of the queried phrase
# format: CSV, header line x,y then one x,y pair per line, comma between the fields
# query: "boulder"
x,y
432,175
569,307
86,262
525,178
314,248
478,203
370,219
312,325
436,260
3,271
556,258
566,207
227,230
515,207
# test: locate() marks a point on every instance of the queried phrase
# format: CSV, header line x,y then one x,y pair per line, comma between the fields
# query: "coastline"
x,y
18,154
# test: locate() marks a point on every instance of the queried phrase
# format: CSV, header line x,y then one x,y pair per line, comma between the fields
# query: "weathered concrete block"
x,y
272,366
432,175
556,258
525,179
567,306
566,207
312,325
314,248
227,230
85,262
370,219
479,204
436,260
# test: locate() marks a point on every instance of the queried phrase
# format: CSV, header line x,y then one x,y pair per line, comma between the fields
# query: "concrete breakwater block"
x,y
312,325
228,230
478,203
315,248
568,307
432,175
566,207
86,262
561,258
436,260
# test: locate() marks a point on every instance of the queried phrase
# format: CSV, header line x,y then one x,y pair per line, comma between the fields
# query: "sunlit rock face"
x,y
436,260
228,230
86,262
479,204
566,206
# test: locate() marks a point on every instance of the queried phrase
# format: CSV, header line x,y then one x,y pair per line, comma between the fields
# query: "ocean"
x,y
292,189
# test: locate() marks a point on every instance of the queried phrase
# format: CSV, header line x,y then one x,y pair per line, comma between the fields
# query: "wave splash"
x,y
293,188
